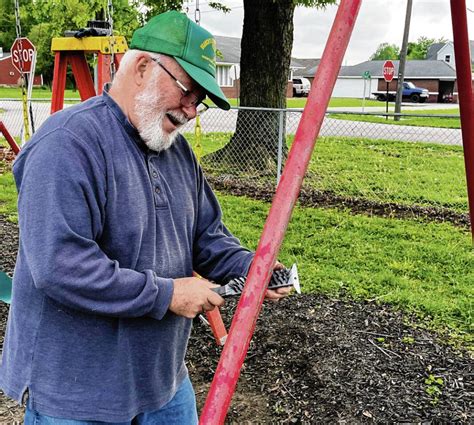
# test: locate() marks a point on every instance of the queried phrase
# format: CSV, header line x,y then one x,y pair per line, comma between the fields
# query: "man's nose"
x,y
190,111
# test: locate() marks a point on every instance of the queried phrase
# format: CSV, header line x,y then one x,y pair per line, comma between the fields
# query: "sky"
x,y
379,21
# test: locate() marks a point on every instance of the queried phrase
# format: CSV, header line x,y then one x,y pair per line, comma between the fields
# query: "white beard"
x,y
150,116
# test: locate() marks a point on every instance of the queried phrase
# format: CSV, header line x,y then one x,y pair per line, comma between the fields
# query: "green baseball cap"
x,y
174,34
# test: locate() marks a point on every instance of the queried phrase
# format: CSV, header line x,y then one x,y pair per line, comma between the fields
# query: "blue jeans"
x,y
180,410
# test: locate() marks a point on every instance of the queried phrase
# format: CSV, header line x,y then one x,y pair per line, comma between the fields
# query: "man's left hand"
x,y
277,294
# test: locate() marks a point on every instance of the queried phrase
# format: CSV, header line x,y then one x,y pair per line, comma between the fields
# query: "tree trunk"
x,y
266,45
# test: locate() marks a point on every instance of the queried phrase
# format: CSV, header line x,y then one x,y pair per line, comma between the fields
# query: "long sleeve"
x,y
218,254
62,199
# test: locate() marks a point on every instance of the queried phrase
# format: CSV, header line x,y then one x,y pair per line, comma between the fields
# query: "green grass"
x,y
8,196
387,171
37,93
424,268
381,170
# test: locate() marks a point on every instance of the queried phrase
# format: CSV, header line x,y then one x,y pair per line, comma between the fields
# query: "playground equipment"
x,y
18,47
250,303
71,50
5,287
248,308
11,141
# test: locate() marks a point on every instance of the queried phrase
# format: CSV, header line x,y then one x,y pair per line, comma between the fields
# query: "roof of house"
x,y
229,48
6,55
304,65
433,50
436,47
413,69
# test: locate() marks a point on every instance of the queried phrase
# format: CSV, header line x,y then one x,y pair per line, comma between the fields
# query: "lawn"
x,y
380,170
37,93
388,171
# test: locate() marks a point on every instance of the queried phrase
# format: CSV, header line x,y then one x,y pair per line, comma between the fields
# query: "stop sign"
x,y
23,52
388,71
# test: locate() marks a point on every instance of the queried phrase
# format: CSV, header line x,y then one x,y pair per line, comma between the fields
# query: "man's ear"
x,y
139,69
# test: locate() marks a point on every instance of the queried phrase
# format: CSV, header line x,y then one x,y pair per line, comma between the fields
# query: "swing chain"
x,y
110,12
197,13
22,73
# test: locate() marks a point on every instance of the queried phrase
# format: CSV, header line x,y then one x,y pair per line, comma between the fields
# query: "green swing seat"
x,y
5,288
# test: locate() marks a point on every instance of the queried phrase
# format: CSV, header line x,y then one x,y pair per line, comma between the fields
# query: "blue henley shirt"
x,y
105,225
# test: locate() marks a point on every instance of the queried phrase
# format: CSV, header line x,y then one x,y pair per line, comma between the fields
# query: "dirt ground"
x,y
316,360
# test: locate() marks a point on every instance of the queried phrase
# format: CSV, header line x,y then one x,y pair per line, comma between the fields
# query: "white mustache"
x,y
180,117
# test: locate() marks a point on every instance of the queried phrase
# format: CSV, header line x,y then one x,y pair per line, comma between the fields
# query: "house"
x,y
228,66
304,67
9,75
435,75
445,52
442,52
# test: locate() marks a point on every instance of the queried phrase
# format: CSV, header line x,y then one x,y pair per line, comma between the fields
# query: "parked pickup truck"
x,y
410,92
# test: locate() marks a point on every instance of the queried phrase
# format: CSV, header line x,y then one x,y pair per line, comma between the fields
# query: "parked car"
x,y
301,86
410,92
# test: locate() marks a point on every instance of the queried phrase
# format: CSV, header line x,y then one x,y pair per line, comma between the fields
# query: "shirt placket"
x,y
159,194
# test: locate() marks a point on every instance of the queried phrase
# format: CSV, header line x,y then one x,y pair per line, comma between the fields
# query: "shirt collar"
x,y
122,118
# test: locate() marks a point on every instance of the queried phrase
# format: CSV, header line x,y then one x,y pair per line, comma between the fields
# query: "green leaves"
x,y
416,49
386,51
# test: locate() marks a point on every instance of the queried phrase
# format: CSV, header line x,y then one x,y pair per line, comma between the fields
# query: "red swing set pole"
x,y
245,317
11,141
464,79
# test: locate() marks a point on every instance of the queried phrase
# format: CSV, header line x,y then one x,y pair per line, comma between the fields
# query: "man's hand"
x,y
192,296
277,294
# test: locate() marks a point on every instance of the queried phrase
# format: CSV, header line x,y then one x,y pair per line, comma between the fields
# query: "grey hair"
x,y
129,57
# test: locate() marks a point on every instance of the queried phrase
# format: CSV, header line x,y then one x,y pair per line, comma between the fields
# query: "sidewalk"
x,y
406,106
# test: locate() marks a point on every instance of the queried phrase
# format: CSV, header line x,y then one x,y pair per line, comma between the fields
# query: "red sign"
x,y
388,71
23,52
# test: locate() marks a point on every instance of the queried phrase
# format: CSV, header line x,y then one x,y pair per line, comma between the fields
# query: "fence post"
x,y
281,136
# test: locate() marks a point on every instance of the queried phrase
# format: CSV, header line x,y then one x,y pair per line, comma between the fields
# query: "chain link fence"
x,y
354,160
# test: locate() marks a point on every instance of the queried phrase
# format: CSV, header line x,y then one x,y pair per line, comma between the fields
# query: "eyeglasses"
x,y
188,98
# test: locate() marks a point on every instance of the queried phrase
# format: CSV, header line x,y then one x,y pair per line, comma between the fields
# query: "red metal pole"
x,y
10,139
464,79
245,318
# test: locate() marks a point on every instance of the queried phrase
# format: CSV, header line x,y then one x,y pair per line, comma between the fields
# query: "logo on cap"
x,y
212,43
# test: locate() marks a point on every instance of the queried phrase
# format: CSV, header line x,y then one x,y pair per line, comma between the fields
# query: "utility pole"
x,y
403,59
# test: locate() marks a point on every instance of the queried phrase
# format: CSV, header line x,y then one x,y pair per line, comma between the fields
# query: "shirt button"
x,y
157,189
154,174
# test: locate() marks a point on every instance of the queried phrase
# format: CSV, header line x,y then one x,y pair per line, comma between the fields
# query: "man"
x,y
115,214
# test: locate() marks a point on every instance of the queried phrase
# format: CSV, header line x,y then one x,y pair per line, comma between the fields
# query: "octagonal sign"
x,y
23,53
388,71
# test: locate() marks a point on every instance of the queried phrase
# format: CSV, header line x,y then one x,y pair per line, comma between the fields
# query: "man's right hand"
x,y
193,296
